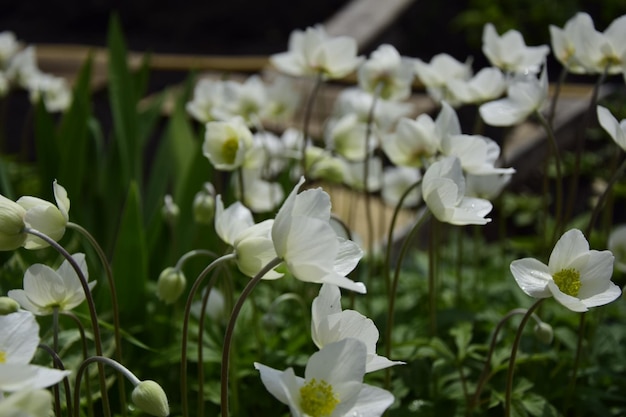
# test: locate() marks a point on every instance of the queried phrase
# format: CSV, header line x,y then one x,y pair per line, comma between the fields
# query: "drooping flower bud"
x,y
150,398
171,285
8,306
204,205
12,224
543,332
170,210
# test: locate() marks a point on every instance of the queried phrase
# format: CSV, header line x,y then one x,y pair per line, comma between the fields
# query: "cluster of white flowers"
x,y
18,67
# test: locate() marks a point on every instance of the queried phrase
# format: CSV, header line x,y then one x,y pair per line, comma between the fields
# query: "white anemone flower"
x,y
478,154
323,165
443,190
53,91
8,47
208,96
575,276
387,73
486,186
617,245
510,53
615,129
568,42
355,179
437,74
226,143
252,243
345,136
330,324
396,181
246,100
308,245
259,194
412,142
19,338
602,51
487,84
46,289
332,385
314,52
525,96
46,217
386,112
27,403
23,67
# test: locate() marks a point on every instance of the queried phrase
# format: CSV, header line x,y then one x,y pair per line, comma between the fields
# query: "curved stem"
x,y
511,369
102,360
366,173
598,207
81,330
557,93
308,112
494,337
579,347
58,364
114,303
183,353
231,328
394,288
92,311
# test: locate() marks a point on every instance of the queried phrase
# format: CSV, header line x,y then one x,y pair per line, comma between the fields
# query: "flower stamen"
x,y
568,281
318,398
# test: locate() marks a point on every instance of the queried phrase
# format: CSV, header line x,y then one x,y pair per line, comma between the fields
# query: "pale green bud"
x,y
170,210
204,205
12,224
150,398
543,332
170,285
8,306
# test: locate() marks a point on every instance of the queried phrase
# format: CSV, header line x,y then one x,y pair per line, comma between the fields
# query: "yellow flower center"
x,y
318,398
229,149
568,281
3,356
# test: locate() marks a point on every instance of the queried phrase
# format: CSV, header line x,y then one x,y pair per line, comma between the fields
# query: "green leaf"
x,y
129,264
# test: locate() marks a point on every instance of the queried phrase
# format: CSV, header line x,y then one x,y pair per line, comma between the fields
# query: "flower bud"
x,y
150,398
543,332
8,306
204,205
12,224
170,285
170,210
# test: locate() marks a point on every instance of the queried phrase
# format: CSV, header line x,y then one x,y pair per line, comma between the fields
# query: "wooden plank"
x,y
365,20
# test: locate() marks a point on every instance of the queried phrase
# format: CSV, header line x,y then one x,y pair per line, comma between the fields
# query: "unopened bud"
x,y
12,224
171,285
170,210
543,332
204,205
150,398
8,306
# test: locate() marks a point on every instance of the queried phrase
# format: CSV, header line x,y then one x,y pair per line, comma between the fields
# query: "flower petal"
x,y
532,276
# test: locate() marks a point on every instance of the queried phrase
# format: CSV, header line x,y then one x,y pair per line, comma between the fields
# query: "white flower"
x,y
226,143
412,142
387,72
207,97
27,403
487,84
283,99
355,179
575,276
332,385
251,242
617,245
386,113
259,195
478,154
45,217
12,235
443,190
246,100
524,97
330,324
306,242
346,137
313,52
615,129
510,53
53,91
23,68
486,186
46,289
396,181
568,43
19,338
8,46
598,51
437,75
321,164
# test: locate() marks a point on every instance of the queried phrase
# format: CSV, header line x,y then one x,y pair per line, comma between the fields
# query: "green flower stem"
x,y
228,336
241,184
366,173
557,93
106,409
598,207
114,304
394,289
433,257
559,220
308,112
102,360
58,364
571,387
484,376
55,348
518,336
81,330
183,353
580,141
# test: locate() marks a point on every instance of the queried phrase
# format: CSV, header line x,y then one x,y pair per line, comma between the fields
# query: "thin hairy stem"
x,y
58,364
571,387
598,207
228,336
92,311
308,112
511,370
83,338
366,173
